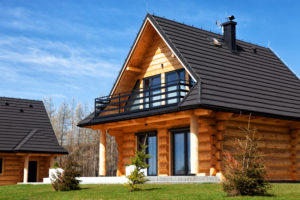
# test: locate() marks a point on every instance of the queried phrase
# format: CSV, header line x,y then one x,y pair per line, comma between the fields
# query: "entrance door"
x,y
32,171
181,153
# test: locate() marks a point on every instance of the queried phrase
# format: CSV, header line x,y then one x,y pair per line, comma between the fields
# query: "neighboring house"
x,y
190,91
28,144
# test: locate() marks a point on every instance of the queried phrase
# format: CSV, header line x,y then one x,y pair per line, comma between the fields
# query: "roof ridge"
x,y
15,98
250,43
26,138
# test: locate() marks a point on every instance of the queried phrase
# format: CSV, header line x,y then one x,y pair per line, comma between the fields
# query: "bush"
x,y
67,180
55,166
244,172
137,177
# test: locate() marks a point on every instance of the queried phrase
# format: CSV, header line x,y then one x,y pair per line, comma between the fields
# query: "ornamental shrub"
x,y
137,177
67,181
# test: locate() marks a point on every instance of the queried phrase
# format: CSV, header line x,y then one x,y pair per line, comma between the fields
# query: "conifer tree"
x,y
137,177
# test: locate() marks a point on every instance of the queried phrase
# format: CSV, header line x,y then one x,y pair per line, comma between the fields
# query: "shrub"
x,y
244,172
67,180
137,177
55,166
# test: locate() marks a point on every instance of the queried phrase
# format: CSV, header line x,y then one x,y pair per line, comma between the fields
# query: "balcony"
x,y
143,99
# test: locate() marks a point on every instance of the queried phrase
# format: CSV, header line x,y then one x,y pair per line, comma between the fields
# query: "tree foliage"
x,y
81,143
137,177
67,181
245,171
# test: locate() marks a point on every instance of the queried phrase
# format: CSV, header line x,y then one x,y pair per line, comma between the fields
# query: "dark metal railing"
x,y
142,99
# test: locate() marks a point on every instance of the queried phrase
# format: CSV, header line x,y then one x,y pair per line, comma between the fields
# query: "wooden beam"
x,y
194,144
26,163
102,153
133,69
203,112
223,115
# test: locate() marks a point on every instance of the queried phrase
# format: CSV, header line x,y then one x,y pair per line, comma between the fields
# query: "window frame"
x,y
149,133
177,131
150,97
177,72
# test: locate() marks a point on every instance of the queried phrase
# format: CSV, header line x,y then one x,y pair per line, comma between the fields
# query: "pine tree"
x,y
244,172
137,177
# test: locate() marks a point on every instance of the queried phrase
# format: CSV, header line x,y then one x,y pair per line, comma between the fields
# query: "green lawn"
x,y
175,191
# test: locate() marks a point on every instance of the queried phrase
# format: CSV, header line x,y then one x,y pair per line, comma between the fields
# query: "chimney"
x,y
229,34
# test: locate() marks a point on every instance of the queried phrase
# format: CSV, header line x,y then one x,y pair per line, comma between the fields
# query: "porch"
x,y
204,128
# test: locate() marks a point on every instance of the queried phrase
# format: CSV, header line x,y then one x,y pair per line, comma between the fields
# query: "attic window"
x,y
6,103
254,50
21,110
30,106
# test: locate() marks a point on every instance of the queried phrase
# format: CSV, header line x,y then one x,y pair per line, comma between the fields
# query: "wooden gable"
x,y
150,56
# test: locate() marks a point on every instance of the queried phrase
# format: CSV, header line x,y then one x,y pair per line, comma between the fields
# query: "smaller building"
x,y
28,144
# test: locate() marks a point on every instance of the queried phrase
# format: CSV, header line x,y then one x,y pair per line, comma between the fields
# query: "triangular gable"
x,y
126,80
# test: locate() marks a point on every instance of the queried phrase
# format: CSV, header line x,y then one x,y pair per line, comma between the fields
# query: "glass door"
x,y
181,152
152,90
151,142
173,80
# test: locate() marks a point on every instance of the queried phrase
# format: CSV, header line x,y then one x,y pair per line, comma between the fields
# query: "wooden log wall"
x,y
121,168
206,149
13,168
277,145
163,152
126,149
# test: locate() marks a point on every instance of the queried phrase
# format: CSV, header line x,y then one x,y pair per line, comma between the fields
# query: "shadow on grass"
x,y
151,189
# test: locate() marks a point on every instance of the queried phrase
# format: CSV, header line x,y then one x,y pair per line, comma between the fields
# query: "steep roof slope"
x,y
245,81
25,127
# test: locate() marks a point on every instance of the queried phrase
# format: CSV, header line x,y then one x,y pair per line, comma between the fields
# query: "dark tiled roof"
x,y
244,82
25,127
247,81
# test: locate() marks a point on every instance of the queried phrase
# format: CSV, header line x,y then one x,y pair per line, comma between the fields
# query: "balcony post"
x,y
194,144
102,153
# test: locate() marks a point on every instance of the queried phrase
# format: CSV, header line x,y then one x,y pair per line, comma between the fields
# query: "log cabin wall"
x,y
13,168
278,143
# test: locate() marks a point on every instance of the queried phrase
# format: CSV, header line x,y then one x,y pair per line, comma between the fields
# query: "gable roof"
x,y
243,82
246,81
25,127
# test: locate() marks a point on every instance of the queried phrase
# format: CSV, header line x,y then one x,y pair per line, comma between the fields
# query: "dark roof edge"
x,y
129,53
209,107
37,152
172,46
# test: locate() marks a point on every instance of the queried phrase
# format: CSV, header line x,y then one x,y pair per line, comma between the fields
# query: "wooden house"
x,y
28,144
190,91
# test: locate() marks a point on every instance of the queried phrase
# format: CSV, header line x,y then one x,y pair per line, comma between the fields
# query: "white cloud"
x,y
55,58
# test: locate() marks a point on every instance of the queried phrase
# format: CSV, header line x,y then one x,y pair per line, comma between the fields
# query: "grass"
x,y
151,191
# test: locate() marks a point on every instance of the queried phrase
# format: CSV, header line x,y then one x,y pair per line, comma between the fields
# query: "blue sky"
x,y
69,48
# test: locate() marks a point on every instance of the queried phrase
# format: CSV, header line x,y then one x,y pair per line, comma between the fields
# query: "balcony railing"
x,y
157,96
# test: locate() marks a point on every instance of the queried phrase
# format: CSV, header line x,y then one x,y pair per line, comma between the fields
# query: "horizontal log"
x,y
259,127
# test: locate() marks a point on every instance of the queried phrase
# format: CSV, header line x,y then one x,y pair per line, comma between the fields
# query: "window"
x,y
173,80
134,101
151,142
152,91
181,152
1,165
